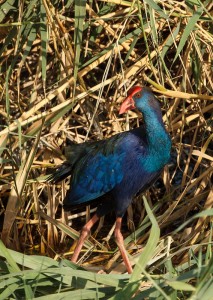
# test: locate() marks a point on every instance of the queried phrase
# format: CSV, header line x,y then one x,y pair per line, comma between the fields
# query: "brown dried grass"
x,y
43,105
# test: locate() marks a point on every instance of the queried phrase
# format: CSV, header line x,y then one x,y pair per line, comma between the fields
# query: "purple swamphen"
x,y
120,167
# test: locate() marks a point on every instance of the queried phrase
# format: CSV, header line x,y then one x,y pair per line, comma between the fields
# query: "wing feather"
x,y
97,172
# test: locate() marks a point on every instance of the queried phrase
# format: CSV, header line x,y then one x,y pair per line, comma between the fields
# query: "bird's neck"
x,y
155,130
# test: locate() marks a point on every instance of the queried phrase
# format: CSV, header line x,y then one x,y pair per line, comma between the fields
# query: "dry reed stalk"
x,y
39,91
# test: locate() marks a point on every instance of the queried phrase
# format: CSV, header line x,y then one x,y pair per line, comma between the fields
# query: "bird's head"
x,y
137,97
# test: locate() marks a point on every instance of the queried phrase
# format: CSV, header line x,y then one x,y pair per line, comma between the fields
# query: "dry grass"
x,y
60,83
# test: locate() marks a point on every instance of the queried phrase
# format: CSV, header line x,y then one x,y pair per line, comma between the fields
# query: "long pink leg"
x,y
84,234
120,242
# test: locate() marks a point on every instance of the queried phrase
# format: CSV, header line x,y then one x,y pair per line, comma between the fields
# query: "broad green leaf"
x,y
3,143
80,13
14,268
31,38
205,293
68,3
30,10
204,289
194,2
5,8
9,290
54,277
150,246
59,271
142,228
188,29
170,40
157,8
152,25
6,253
181,286
44,39
135,39
77,295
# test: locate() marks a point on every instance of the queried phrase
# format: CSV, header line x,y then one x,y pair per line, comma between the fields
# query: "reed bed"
x,y
65,68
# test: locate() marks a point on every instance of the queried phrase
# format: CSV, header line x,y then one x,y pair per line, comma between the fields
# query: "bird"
x,y
112,171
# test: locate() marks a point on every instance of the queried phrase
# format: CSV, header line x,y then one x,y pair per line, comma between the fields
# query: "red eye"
x,y
137,95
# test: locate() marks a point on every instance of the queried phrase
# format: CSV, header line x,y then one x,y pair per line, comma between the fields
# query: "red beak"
x,y
127,105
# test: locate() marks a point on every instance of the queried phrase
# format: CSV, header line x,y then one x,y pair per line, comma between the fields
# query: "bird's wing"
x,y
97,172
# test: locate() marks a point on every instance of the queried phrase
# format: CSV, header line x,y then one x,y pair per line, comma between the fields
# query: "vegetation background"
x,y
65,68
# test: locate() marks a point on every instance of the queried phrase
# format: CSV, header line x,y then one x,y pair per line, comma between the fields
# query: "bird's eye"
x,y
137,95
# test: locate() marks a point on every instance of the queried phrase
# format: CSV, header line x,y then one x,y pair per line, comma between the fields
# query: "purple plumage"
x,y
120,167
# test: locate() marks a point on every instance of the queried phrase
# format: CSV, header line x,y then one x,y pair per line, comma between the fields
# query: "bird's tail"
x,y
60,173
73,153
